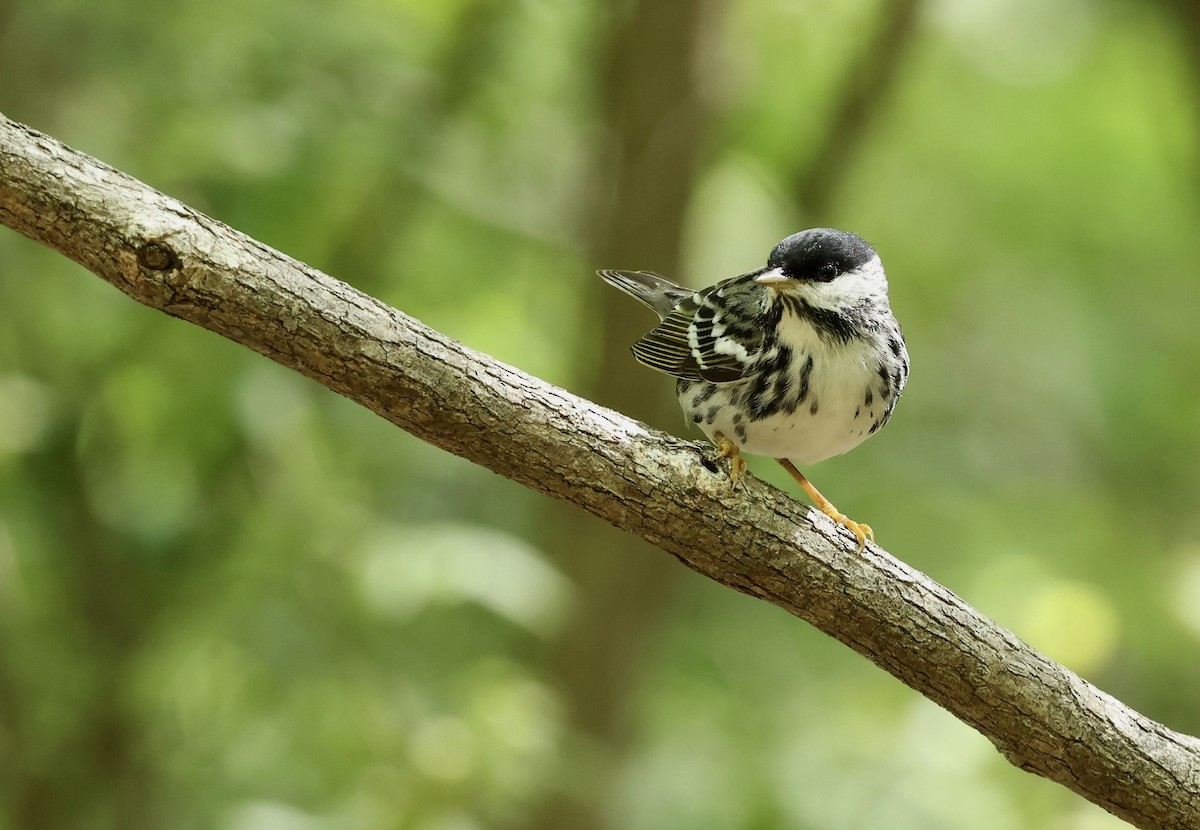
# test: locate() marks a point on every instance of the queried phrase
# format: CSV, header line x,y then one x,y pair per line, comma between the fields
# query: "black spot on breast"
x,y
805,375
697,418
738,396
780,361
869,398
768,324
781,386
759,401
701,397
812,410
740,431
711,414
831,324
887,413
774,385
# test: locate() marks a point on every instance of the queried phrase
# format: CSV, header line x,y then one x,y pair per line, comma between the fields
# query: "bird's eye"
x,y
828,271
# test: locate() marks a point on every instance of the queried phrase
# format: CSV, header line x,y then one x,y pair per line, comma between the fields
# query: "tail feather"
x,y
659,293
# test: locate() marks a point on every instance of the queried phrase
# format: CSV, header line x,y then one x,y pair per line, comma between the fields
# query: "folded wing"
x,y
693,342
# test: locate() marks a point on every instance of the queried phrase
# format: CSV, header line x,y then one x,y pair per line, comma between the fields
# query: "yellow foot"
x,y
861,531
737,464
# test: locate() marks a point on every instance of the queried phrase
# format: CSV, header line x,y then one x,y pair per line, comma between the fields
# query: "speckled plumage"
x,y
800,360
803,368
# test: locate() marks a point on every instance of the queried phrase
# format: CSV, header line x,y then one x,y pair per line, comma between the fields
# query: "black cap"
x,y
820,254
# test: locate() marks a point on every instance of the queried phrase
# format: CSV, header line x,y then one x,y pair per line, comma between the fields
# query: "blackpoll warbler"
x,y
801,360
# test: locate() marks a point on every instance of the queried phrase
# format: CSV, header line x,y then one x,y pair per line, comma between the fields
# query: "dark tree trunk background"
x,y
657,123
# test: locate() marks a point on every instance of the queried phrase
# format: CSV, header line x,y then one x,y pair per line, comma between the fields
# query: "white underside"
x,y
800,438
840,378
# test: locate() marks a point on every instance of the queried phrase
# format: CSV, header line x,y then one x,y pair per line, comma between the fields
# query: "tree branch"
x,y
757,540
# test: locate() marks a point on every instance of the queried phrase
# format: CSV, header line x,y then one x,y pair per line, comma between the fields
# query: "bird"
x,y
801,360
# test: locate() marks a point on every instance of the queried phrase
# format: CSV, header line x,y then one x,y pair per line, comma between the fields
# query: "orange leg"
x,y
861,531
737,464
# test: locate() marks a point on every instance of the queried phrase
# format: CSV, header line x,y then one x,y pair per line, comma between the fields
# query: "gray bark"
x,y
756,540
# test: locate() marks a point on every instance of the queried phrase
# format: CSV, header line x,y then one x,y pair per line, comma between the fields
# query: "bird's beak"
x,y
775,279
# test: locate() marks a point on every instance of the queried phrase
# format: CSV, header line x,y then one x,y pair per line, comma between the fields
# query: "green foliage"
x,y
229,598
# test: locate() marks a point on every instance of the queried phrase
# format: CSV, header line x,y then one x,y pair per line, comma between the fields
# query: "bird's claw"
x,y
737,464
861,531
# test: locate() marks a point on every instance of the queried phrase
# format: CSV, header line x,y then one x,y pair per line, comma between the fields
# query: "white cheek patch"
x,y
865,281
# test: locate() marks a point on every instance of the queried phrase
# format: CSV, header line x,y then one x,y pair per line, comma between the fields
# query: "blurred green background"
x,y
231,599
